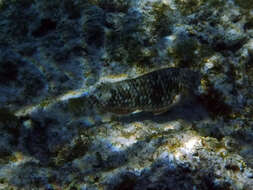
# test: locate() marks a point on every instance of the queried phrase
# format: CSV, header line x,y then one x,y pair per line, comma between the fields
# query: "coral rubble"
x,y
53,52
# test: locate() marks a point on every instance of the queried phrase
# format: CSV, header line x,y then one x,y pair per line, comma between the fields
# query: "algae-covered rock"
x,y
54,55
244,4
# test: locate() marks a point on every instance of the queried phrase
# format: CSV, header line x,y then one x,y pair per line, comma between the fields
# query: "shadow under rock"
x,y
164,174
189,109
36,142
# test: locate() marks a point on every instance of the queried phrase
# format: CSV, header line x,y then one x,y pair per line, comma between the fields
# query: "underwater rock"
x,y
54,52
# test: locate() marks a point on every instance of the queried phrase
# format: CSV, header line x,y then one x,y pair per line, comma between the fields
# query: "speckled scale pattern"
x,y
150,92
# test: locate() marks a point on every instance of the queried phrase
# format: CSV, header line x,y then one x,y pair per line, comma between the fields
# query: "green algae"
x,y
160,11
68,152
45,103
189,6
246,4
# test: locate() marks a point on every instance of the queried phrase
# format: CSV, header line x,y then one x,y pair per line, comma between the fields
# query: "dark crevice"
x,y
8,72
45,27
214,103
72,10
222,46
248,25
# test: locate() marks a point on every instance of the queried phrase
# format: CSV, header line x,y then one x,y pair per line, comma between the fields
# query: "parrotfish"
x,y
155,92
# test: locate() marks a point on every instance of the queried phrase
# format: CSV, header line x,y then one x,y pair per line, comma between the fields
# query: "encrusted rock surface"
x,y
53,51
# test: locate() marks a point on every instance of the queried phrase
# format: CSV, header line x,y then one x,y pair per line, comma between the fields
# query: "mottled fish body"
x,y
155,92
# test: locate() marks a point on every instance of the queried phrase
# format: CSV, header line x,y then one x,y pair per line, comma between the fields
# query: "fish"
x,y
155,92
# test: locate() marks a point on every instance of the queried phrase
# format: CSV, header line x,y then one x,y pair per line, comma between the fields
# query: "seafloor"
x,y
54,50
